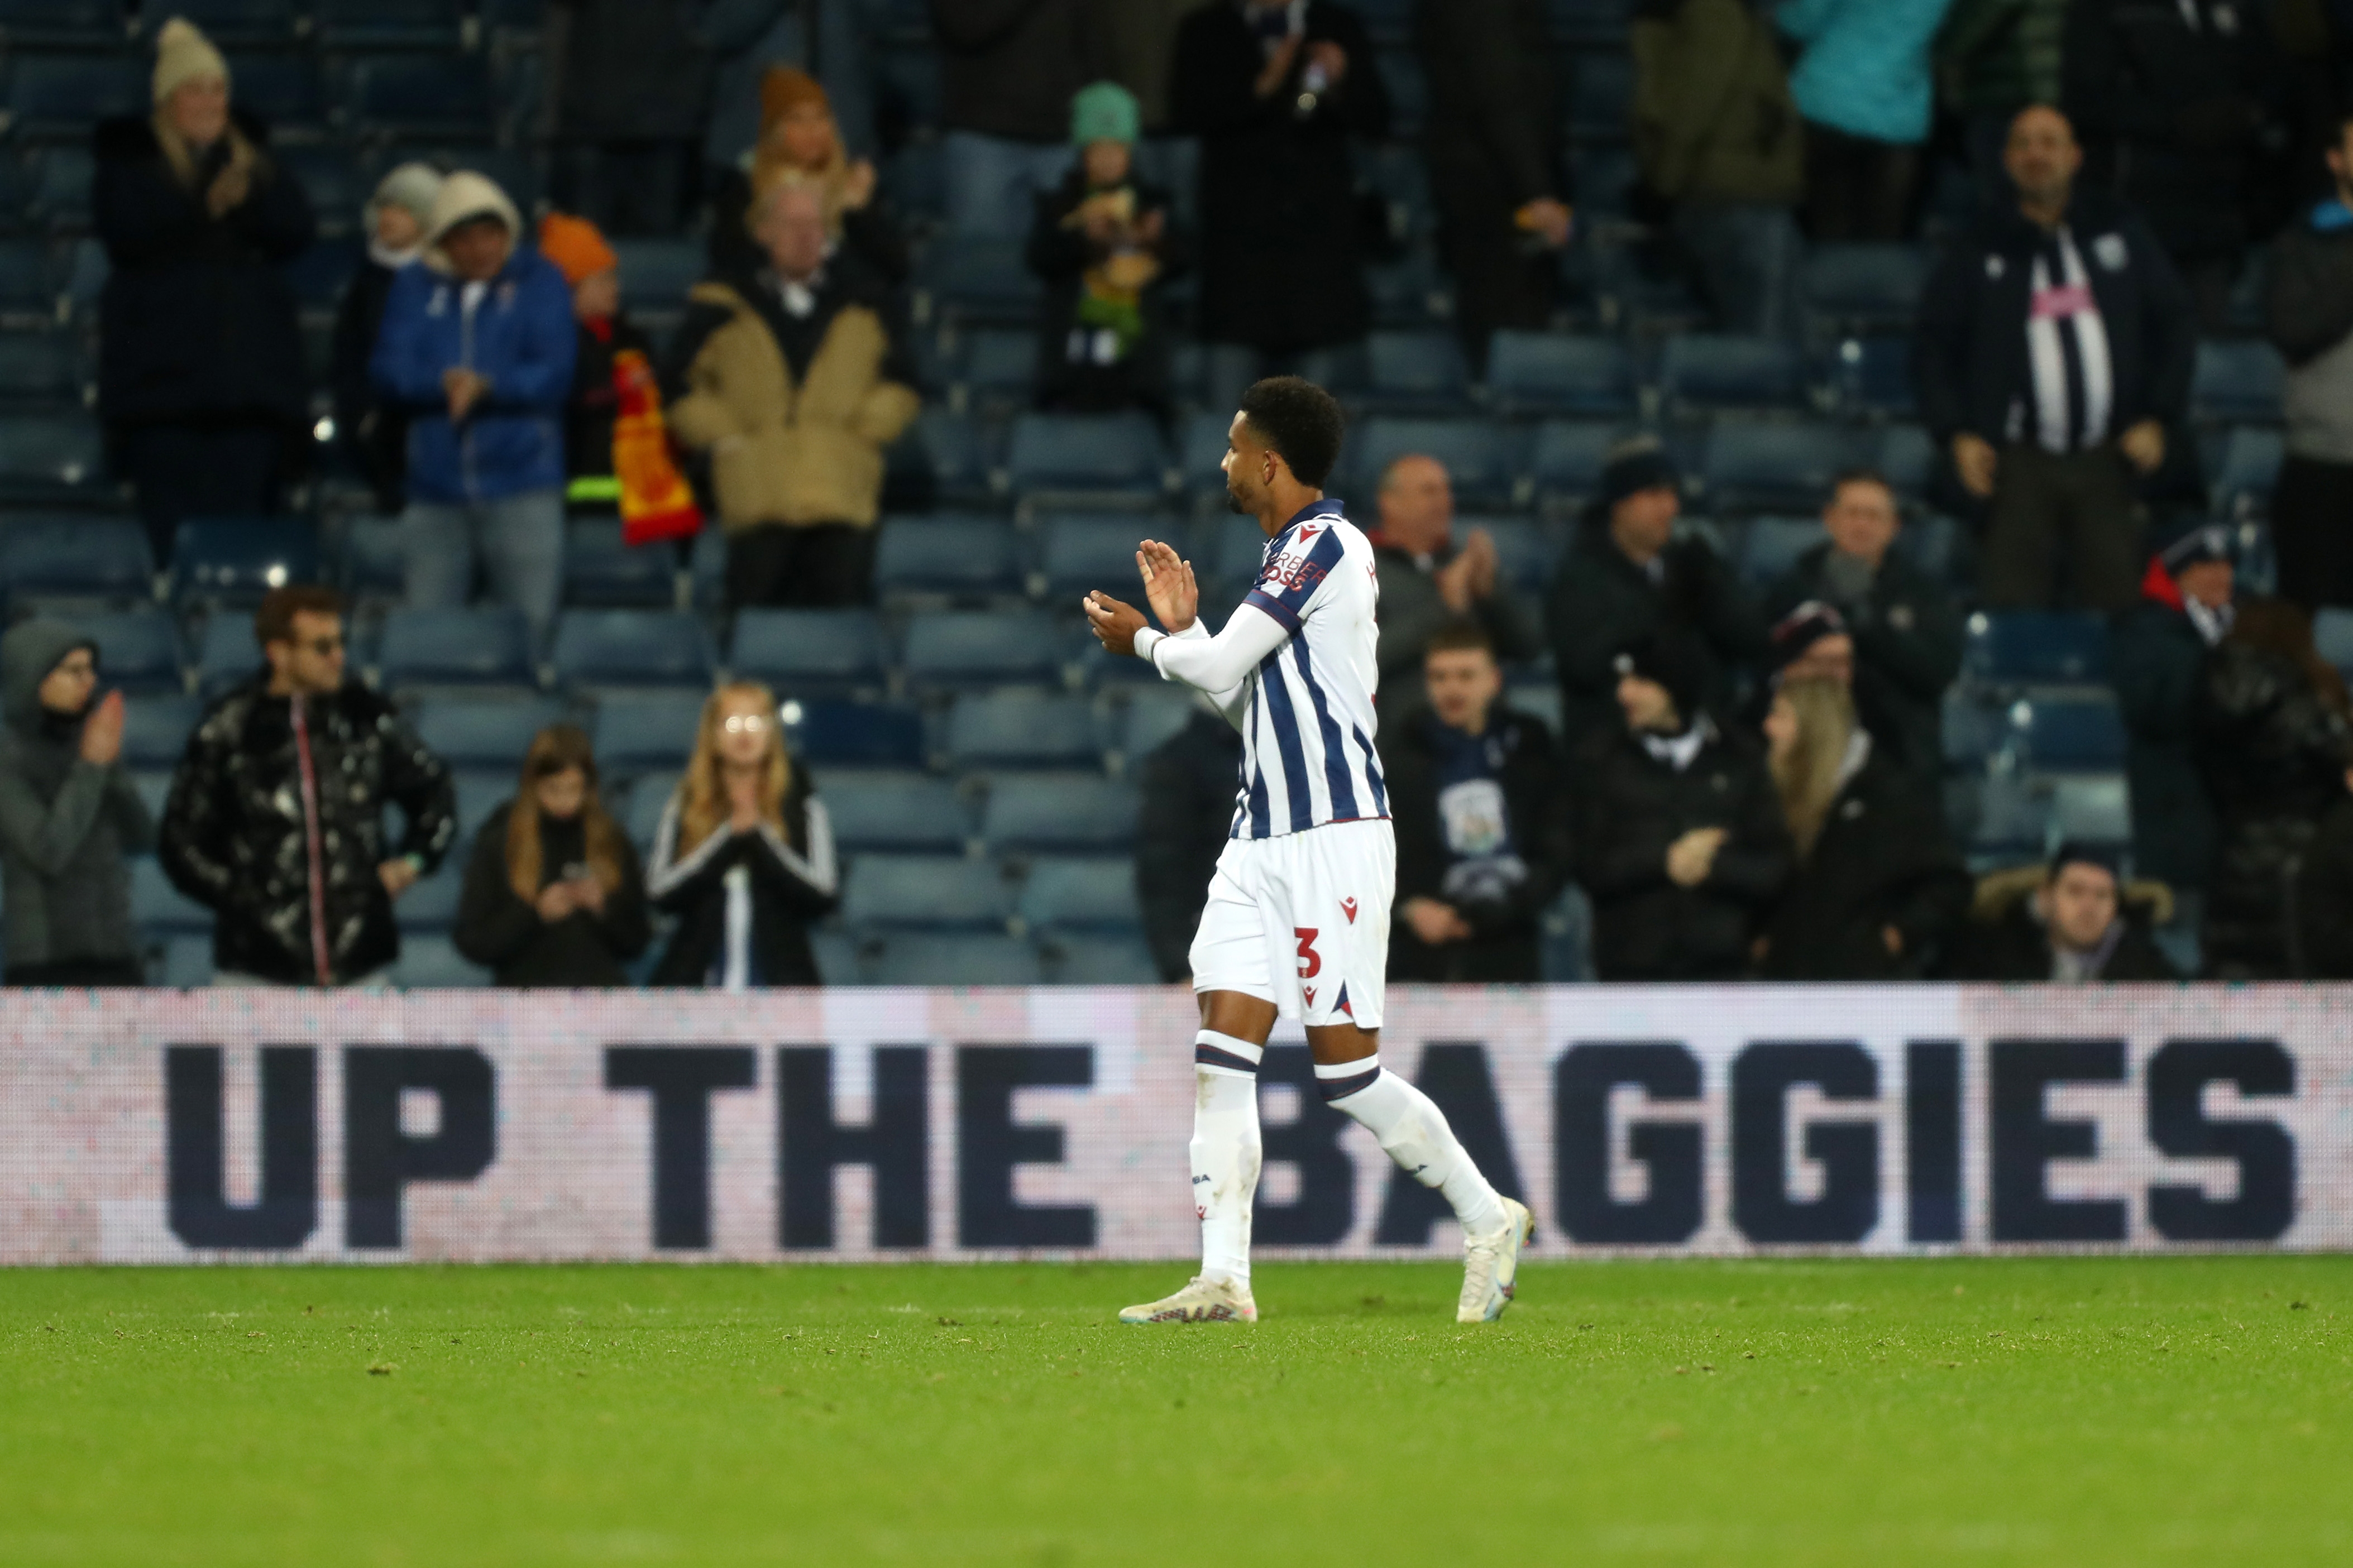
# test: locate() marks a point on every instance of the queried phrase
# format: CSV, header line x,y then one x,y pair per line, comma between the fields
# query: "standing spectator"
x,y
69,815
1626,576
1878,887
1994,59
1492,139
1717,138
1863,84
799,140
374,435
1139,47
2072,923
632,92
275,821
200,376
2054,353
2159,649
1276,92
1008,71
1428,583
612,360
1905,630
826,39
2182,109
1104,241
744,853
476,347
1679,837
2324,896
2271,743
1188,786
2310,314
554,895
793,380
1482,833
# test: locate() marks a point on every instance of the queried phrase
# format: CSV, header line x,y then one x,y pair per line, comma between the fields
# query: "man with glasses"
x,y
276,822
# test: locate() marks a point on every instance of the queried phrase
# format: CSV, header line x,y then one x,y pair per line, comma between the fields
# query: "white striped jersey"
x,y
2073,381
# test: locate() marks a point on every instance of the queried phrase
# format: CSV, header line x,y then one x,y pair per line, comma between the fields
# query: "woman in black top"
x,y
554,895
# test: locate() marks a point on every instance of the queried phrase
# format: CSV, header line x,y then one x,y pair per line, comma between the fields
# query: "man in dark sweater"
x,y
1008,71
2309,316
2159,649
1429,581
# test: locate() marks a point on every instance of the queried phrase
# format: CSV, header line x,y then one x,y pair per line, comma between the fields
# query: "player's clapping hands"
x,y
1169,587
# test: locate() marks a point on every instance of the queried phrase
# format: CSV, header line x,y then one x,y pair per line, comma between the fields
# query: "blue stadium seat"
x,y
228,23
50,456
1409,90
894,810
1939,547
188,963
2003,820
1082,554
969,277
1069,893
387,24
155,730
2238,382
1769,547
1117,453
480,791
648,798
601,571
60,97
1080,958
2091,808
959,554
322,274
1708,372
2332,636
434,964
282,89
1408,291
331,177
161,910
1873,377
656,273
633,647
957,454
1060,814
1152,714
839,959
430,906
59,188
235,561
2069,733
1976,727
226,654
1020,729
1201,452
1476,453
1567,460
419,97
371,558
40,371
996,366
1908,459
76,557
925,893
489,646
1600,96
1415,373
956,961
2014,648
914,181
804,653
60,23
640,732
1862,288
1554,372
1758,466
1538,701
830,731
966,649
1525,549
138,652
1400,176
490,732
2249,471
28,282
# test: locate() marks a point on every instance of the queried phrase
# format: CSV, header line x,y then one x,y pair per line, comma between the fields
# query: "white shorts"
x,y
1303,922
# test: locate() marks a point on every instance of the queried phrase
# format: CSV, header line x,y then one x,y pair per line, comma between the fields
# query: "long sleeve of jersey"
x,y
1219,666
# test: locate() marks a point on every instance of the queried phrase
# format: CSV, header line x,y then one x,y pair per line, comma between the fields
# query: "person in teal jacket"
x,y
1864,85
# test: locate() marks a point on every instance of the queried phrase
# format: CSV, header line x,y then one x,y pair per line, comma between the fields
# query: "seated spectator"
x,y
1007,74
2158,650
476,348
69,815
1717,138
752,39
1184,822
299,877
1995,57
2309,310
2054,349
800,142
1626,575
1104,241
1878,887
1492,139
2270,734
1481,832
553,894
2072,923
1276,92
1428,583
2324,896
745,854
631,83
373,433
1861,82
200,375
1678,832
1905,630
793,380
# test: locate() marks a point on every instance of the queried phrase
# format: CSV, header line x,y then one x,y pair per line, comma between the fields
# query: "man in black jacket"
x,y
275,821
2309,316
2054,349
1482,834
1008,70
1679,834
2071,929
1186,817
1628,575
2159,653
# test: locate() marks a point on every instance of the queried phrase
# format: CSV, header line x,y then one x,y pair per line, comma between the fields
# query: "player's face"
x,y
2080,905
1245,465
1463,683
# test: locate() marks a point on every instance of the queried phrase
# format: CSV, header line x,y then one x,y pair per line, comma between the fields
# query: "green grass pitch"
x,y
2190,1410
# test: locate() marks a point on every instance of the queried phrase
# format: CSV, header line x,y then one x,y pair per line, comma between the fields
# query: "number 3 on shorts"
x,y
1311,963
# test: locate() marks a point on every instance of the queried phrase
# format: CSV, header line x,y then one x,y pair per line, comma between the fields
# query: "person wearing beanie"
x,y
476,349
69,815
1105,243
1679,837
631,81
2158,651
799,140
2074,922
201,380
1627,573
375,438
749,40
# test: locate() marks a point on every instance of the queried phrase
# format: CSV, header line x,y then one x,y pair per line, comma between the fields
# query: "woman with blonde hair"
x,y
1878,884
744,853
800,144
554,895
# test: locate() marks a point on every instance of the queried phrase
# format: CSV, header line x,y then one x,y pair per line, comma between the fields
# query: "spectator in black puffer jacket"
x,y
373,435
276,815
2158,651
1187,815
2074,923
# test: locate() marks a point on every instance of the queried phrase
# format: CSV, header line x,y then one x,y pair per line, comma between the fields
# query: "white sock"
x,y
1413,1132
1226,1151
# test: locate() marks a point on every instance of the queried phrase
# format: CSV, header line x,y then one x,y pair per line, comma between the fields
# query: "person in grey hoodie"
x,y
69,815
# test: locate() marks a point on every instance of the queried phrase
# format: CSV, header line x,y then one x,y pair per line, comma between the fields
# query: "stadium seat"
x,y
1538,701
2249,471
57,191
281,87
839,961
958,554
1567,460
234,562
893,811
2332,636
964,649
1096,893
28,282
138,650
1476,453
161,910
76,557
648,797
1600,96
1409,90
925,893
1525,549
226,654
2015,648
957,455
810,653
430,906
434,964
640,732
1708,372
1862,288
418,97
322,274
633,647
1020,729
1415,373
1080,958
188,963
994,368
1557,373
1094,453
656,273
331,177
602,572
1400,176
914,180
1975,725
1152,714
2068,734
1201,453
2237,382
956,961
1873,377
1082,554
480,791
469,731
49,457
228,23
1408,291
486,646
40,371
830,731
60,23
2003,820
2091,808
970,278
1769,547
54,98
371,558
1939,547
1758,466
1907,457
387,24
1064,814
155,729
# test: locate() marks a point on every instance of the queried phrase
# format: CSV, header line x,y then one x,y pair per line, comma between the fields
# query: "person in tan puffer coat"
x,y
793,380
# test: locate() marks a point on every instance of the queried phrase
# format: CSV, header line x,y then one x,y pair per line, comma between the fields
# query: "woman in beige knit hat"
x,y
801,144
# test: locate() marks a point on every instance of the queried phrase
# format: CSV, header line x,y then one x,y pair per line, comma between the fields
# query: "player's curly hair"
x,y
1300,422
